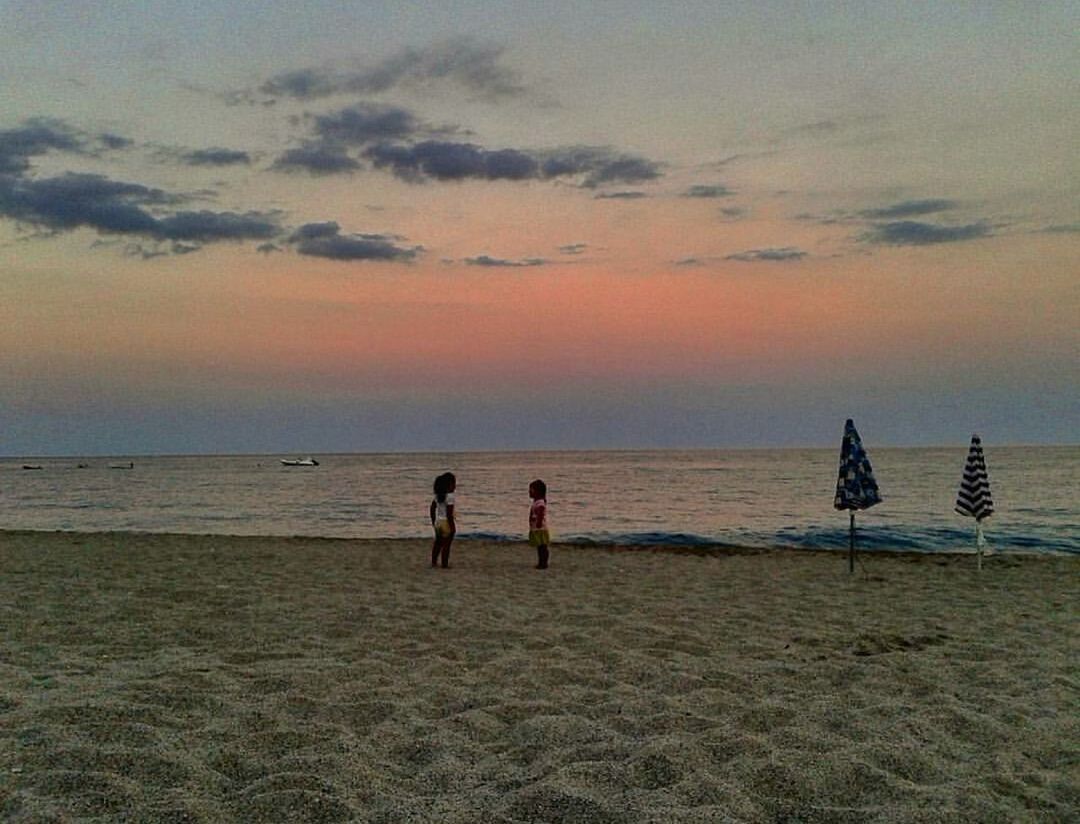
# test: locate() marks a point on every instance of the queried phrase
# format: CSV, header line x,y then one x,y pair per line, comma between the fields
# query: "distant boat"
x,y
128,465
299,462
31,466
82,466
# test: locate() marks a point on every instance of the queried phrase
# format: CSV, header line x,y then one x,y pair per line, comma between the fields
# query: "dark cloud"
x,y
326,241
303,84
908,208
452,161
733,212
573,248
149,252
706,191
620,196
112,141
316,159
832,219
914,233
392,130
394,139
314,231
690,261
38,136
216,157
367,123
463,62
599,165
487,260
76,200
445,160
623,169
782,253
268,248
144,252
72,201
349,247
208,226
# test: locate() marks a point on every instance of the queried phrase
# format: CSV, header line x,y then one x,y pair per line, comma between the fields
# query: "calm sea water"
x,y
738,497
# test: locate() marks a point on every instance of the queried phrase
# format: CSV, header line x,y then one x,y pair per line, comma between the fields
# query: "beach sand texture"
x,y
197,678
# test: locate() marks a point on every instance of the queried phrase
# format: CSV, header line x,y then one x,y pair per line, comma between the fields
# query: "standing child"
x,y
442,518
538,525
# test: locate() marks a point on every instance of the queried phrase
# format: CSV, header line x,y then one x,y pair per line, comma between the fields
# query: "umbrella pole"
x,y
851,545
979,542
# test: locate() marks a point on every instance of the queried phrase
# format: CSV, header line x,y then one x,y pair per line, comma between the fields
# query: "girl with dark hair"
x,y
442,518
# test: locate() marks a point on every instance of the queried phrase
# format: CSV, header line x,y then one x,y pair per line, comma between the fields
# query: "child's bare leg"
x,y
542,556
435,551
446,552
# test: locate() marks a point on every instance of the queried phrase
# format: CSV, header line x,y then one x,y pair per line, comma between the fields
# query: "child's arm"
x,y
536,515
433,508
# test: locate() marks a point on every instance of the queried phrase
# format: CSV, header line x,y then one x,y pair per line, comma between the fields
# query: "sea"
x,y
701,497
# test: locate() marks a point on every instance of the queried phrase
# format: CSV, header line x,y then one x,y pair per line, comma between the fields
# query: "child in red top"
x,y
538,527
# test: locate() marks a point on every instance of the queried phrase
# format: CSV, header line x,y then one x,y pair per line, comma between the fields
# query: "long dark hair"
x,y
442,486
540,487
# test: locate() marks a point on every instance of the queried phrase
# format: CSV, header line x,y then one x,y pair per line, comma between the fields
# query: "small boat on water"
x,y
299,462
128,465
31,466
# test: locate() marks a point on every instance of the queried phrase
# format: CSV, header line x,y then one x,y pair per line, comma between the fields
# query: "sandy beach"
x,y
164,678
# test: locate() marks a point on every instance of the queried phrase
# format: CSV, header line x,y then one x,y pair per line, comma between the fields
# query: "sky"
x,y
231,227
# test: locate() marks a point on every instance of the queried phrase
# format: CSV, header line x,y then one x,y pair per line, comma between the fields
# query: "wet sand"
x,y
197,678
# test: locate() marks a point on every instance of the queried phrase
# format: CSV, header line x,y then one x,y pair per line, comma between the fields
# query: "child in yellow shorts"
x,y
539,536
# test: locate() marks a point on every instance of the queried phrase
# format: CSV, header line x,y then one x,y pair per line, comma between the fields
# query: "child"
x,y
442,518
538,527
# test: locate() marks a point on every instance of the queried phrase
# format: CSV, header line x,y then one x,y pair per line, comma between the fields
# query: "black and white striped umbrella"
x,y
974,498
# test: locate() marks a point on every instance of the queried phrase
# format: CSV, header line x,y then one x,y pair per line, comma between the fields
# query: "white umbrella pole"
x,y
979,541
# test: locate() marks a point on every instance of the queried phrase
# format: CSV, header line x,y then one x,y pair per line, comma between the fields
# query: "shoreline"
x,y
700,549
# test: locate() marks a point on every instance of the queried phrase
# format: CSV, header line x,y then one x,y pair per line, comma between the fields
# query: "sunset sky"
x,y
363,226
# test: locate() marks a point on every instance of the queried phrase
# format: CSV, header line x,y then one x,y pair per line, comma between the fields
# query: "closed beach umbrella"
x,y
974,499
855,487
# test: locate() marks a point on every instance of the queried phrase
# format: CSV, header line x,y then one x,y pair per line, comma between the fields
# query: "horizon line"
x,y
560,449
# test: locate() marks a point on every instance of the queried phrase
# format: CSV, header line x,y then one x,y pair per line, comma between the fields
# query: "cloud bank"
x,y
708,191
908,208
216,157
445,161
39,136
487,260
317,159
325,240
773,254
73,201
464,62
915,233
393,139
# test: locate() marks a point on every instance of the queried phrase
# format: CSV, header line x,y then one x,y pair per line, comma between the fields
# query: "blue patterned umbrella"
x,y
855,487
974,499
